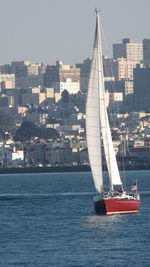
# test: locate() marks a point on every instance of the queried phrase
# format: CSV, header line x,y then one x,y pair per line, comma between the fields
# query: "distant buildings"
x,y
59,73
34,92
128,49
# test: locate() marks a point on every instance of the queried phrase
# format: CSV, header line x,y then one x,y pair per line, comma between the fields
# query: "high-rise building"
x,y
19,68
84,67
146,51
120,68
142,88
128,49
125,69
5,69
84,73
51,75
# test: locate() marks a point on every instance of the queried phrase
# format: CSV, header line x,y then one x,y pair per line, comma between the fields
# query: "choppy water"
x,y
48,220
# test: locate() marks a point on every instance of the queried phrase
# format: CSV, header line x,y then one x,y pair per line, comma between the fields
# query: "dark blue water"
x,y
49,220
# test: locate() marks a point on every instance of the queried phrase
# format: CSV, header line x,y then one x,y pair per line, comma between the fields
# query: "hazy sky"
x,y
48,30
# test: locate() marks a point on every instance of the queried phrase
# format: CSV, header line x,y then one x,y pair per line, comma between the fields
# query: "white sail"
x,y
97,123
112,166
93,131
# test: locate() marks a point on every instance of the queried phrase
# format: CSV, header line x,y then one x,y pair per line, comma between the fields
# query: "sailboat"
x,y
98,132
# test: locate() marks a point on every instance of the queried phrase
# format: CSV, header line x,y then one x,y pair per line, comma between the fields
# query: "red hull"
x,y
117,206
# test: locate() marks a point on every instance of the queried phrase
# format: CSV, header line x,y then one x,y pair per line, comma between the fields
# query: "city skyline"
x,y
45,31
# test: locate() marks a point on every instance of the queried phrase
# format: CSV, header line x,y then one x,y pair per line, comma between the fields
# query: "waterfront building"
x,y
17,157
5,157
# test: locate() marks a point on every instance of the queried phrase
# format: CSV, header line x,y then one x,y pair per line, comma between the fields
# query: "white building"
x,y
71,87
9,158
17,157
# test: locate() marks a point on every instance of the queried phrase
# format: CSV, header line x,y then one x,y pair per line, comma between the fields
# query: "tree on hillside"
x,y
29,130
50,133
26,131
65,97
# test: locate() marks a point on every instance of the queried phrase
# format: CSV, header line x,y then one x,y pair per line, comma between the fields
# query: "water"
x,y
48,220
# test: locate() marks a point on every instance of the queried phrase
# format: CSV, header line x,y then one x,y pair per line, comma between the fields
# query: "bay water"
x,y
48,220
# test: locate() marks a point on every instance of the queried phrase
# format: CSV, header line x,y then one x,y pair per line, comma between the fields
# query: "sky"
x,y
48,30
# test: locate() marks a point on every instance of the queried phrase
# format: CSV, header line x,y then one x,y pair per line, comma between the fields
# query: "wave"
x,y
11,196
15,196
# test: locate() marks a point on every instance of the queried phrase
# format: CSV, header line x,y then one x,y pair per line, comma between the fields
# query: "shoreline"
x,y
78,168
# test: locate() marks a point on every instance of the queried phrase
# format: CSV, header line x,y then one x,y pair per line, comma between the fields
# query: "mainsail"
x,y
93,130
97,124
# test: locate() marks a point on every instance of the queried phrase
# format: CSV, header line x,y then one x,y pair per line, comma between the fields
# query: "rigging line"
x,y
110,64
104,38
123,162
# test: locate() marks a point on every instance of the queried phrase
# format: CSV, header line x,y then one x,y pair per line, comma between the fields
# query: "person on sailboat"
x,y
121,190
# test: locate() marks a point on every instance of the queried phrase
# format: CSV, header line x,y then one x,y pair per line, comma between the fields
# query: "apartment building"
x,y
129,49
